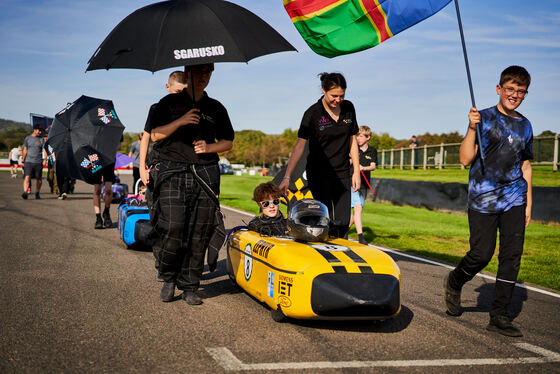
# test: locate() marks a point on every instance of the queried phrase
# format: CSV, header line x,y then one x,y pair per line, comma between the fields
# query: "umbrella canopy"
x,y
84,138
187,32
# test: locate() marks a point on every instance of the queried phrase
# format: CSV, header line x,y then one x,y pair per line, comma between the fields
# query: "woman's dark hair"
x,y
332,80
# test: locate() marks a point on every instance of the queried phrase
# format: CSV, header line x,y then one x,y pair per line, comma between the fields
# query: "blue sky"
x,y
413,83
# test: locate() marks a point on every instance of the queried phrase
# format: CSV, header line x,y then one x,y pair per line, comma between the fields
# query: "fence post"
x,y
402,158
392,158
383,159
425,161
412,154
441,156
555,160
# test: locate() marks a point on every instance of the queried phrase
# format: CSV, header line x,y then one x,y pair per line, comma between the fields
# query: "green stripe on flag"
x,y
342,30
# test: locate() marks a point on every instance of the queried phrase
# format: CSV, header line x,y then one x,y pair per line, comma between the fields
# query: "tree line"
x,y
250,147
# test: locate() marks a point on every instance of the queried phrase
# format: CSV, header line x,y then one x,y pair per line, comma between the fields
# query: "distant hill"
x,y
9,125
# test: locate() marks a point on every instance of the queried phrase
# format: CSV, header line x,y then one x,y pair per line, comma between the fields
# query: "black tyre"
x,y
277,315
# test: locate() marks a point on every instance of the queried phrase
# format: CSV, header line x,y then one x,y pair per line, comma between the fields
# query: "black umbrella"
x,y
84,138
187,32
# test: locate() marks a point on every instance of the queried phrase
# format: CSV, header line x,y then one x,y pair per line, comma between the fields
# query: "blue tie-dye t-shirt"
x,y
506,142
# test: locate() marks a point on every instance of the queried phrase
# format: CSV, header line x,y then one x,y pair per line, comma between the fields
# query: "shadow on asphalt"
x,y
486,295
394,325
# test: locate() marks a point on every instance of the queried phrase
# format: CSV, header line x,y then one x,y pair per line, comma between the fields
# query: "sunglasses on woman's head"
x,y
266,203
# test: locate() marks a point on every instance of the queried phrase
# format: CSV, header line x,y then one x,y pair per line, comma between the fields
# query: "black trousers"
x,y
483,228
184,220
335,193
135,177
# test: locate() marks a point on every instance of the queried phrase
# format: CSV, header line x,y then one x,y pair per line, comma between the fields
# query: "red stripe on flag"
x,y
378,17
298,8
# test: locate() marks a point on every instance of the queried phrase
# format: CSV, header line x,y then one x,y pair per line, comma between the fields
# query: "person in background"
x,y
34,158
500,196
105,180
271,222
413,142
368,162
175,84
189,130
330,127
14,160
134,152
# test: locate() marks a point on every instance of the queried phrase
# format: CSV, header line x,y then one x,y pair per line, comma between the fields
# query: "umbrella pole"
x,y
478,136
197,136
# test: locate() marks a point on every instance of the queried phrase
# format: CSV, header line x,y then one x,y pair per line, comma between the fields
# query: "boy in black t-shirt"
x,y
368,162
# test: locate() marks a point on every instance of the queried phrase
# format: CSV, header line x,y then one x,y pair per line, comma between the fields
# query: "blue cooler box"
x,y
134,225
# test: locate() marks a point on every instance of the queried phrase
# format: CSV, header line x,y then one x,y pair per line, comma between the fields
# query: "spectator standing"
x,y
189,129
368,162
134,152
413,142
105,180
330,127
500,196
15,153
34,158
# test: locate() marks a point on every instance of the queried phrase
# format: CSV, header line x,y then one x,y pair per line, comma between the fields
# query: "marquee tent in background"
x,y
336,27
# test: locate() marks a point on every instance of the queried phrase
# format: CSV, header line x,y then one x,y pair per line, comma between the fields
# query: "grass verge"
x,y
543,176
427,233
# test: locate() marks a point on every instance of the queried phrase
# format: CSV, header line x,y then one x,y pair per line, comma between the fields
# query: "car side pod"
x,y
336,279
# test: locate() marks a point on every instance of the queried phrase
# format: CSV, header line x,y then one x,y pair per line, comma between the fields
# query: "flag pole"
x,y
469,78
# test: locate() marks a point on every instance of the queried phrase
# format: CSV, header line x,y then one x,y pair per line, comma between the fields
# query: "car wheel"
x,y
278,315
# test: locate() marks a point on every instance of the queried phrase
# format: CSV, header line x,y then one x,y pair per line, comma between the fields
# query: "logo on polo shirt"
x,y
323,123
185,54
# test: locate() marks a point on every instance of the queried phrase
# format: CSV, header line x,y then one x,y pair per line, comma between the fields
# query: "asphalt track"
x,y
74,300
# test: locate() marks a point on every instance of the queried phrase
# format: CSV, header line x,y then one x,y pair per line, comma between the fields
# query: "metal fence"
x,y
545,152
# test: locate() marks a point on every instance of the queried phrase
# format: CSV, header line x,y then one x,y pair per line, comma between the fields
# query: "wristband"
x,y
286,177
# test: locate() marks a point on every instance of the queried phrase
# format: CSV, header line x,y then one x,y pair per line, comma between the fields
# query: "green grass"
x,y
427,233
543,176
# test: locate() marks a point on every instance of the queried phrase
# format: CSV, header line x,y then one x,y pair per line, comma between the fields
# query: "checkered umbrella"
x,y
84,138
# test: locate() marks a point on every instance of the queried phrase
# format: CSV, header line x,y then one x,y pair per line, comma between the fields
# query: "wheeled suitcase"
x,y
134,224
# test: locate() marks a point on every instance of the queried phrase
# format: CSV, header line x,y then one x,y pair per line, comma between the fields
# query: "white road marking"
x,y
229,361
432,262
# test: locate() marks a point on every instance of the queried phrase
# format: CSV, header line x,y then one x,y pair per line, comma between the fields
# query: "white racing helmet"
x,y
308,220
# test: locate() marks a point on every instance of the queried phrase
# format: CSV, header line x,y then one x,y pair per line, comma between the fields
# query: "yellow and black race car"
x,y
330,279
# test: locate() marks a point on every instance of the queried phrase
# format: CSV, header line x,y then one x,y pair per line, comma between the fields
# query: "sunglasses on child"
x,y
266,203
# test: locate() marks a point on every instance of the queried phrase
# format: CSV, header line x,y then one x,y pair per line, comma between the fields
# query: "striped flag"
x,y
337,27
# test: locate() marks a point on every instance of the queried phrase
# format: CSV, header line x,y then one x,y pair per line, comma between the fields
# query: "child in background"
x,y
368,162
271,222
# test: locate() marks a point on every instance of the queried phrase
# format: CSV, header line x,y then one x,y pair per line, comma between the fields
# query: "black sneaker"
x,y
502,325
362,240
37,196
452,297
167,292
24,196
191,298
98,223
107,223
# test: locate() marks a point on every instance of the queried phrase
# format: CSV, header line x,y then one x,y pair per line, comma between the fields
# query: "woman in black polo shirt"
x,y
330,127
